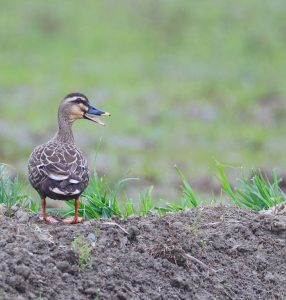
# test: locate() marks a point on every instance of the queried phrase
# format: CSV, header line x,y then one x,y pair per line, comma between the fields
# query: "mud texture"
x,y
207,253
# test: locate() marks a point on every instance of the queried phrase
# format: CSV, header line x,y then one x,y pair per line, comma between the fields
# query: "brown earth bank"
x,y
206,253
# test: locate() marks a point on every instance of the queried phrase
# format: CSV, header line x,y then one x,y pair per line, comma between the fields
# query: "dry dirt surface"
x,y
206,253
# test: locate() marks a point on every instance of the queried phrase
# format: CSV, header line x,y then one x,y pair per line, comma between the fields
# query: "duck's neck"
x,y
64,133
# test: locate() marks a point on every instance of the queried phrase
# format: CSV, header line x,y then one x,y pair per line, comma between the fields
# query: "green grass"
x,y
189,198
81,246
102,200
11,192
146,202
256,193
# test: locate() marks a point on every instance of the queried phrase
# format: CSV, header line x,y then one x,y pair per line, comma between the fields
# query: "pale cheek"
x,y
83,107
76,113
76,116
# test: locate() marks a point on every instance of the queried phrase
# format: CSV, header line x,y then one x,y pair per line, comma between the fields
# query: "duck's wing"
x,y
36,164
63,165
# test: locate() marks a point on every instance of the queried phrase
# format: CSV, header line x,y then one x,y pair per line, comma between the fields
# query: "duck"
x,y
58,169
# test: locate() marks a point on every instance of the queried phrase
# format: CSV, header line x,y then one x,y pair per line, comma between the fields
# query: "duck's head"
x,y
76,106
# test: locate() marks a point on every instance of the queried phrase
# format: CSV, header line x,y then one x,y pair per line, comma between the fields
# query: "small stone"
x,y
121,296
46,259
45,237
110,286
178,282
65,276
90,291
22,215
3,209
63,266
91,237
23,270
178,224
132,234
269,277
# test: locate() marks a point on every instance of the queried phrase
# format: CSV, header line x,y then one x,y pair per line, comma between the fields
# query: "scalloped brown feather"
x,y
57,165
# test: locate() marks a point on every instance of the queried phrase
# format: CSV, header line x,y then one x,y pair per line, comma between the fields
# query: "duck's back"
x,y
58,170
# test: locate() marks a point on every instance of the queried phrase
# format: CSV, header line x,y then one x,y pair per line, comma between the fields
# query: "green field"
x,y
185,82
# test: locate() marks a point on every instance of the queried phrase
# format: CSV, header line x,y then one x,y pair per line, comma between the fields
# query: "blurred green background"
x,y
185,82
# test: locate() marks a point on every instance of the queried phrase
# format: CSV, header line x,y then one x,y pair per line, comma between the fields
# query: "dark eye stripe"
x,y
78,101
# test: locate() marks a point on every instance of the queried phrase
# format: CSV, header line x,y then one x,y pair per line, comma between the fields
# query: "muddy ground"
x,y
207,253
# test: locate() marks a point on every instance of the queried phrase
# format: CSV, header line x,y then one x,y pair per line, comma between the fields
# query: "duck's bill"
x,y
92,112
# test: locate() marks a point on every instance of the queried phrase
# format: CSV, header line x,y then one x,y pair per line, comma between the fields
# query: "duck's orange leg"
x,y
76,218
44,217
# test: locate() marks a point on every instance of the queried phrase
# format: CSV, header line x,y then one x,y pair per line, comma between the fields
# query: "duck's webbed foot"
x,y
73,220
76,219
48,219
44,217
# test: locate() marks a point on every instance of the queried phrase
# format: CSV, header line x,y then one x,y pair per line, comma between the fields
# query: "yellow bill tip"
x,y
106,114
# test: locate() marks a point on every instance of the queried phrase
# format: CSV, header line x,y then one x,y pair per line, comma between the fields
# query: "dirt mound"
x,y
207,253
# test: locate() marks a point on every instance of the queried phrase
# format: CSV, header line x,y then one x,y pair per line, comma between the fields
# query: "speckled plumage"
x,y
58,166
